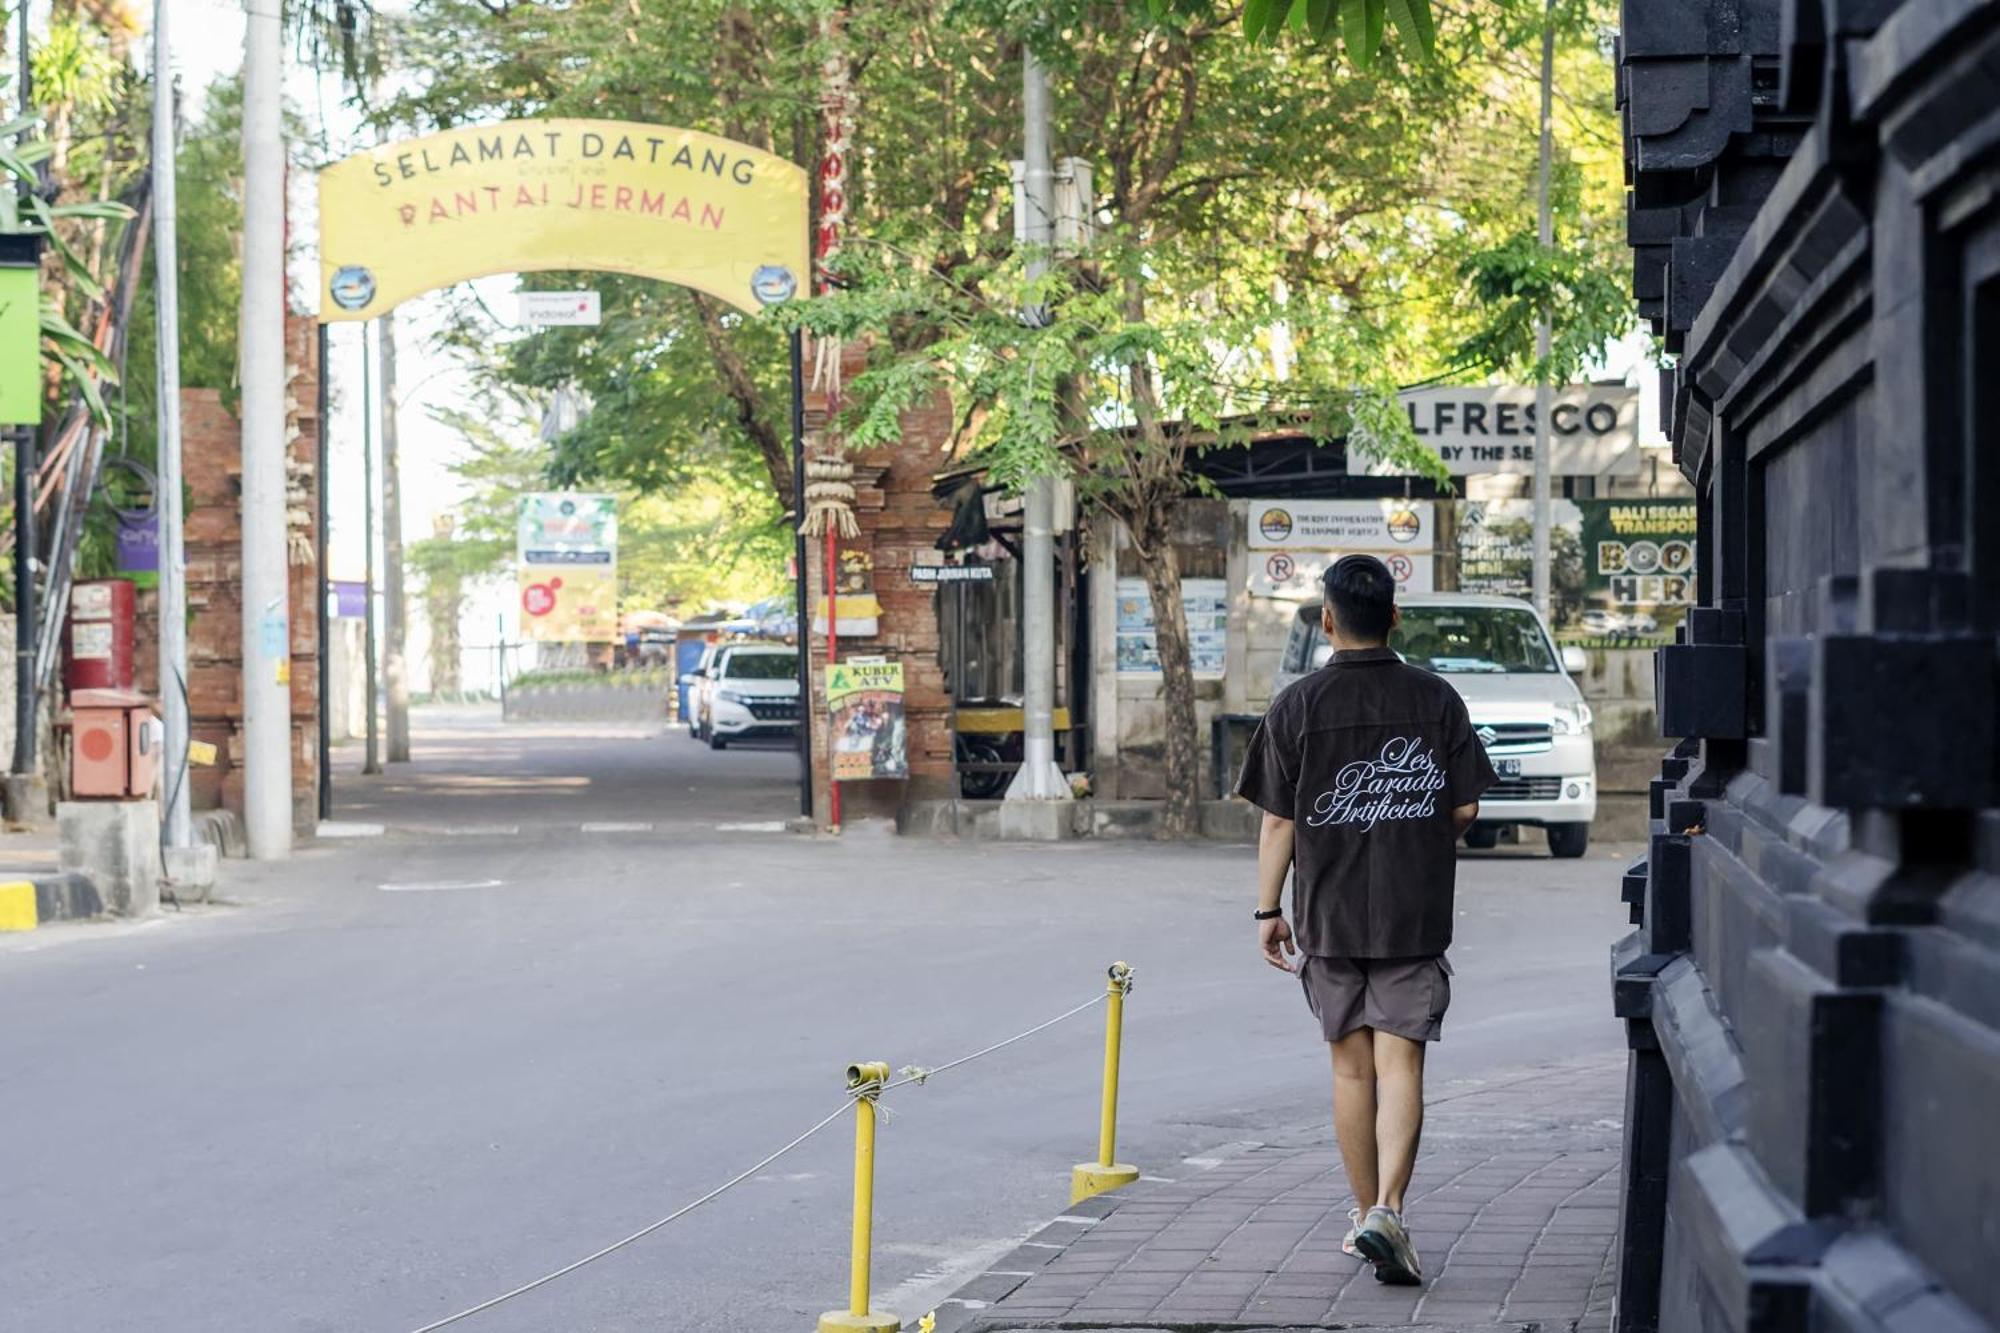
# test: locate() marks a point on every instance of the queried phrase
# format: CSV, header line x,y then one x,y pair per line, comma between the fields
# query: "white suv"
x,y
748,689
1525,708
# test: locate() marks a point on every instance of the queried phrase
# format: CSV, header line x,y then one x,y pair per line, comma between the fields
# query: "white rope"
x,y
643,1232
917,1074
868,1091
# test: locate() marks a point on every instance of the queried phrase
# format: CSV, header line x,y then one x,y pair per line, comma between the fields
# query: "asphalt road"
x,y
403,1074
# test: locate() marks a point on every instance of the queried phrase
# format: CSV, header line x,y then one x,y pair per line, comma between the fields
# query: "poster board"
x,y
1206,602
566,567
865,704
1638,571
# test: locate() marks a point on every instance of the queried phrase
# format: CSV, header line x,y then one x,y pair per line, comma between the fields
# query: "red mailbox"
x,y
115,743
97,638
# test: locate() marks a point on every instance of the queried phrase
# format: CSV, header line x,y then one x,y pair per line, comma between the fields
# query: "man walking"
x,y
1367,771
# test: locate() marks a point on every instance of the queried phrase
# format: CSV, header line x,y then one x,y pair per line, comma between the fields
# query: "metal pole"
x,y
1039,778
372,757
24,503
24,602
803,609
394,669
1089,1179
1544,392
267,722
179,831
323,617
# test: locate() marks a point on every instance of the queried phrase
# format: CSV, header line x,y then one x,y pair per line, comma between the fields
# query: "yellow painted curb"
x,y
17,906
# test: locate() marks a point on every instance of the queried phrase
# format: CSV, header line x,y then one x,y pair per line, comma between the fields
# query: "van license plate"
x,y
1507,768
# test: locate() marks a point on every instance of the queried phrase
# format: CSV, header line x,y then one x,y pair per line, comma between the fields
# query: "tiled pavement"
x,y
1512,1209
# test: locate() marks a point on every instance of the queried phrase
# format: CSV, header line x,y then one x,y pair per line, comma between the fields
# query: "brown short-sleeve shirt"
x,y
1369,756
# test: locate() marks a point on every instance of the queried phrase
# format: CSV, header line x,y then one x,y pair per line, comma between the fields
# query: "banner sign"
x,y
865,701
136,538
1294,542
1621,572
347,599
1496,549
566,550
1594,430
526,196
1638,569
1206,602
20,345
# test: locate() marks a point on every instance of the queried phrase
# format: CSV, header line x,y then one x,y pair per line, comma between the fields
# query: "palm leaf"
x,y
1413,21
1354,33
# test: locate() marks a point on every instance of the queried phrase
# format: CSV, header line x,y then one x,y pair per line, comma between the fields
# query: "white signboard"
x,y
1292,542
543,310
1340,525
1295,575
1206,602
1594,430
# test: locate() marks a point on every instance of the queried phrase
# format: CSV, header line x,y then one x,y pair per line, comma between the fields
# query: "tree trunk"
x,y
444,598
1162,572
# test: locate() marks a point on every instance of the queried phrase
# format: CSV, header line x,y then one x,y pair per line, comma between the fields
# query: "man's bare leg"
x,y
1399,1117
1354,1111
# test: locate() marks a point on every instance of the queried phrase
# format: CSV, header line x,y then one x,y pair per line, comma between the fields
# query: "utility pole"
x,y
267,631
179,829
372,757
1039,779
394,620
1544,392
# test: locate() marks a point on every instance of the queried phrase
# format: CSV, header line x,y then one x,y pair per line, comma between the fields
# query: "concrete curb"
x,y
33,900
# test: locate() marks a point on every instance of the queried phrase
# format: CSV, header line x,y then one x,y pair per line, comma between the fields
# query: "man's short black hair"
x,y
1361,592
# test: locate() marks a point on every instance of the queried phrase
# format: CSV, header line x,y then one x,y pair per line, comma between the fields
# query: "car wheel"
x,y
1568,841
1483,837
715,741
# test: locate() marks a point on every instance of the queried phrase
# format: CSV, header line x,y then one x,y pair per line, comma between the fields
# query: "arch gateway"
x,y
524,196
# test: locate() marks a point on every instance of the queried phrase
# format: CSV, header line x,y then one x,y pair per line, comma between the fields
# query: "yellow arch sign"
x,y
526,195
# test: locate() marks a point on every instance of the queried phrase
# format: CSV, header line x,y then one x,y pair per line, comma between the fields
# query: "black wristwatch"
x,y
1271,915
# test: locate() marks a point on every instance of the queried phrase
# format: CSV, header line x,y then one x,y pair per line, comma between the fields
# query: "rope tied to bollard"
x,y
865,1083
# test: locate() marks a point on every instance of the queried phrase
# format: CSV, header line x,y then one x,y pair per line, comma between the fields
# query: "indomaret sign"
x,y
523,196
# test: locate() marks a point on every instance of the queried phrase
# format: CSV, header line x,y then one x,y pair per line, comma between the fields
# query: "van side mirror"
x,y
1574,660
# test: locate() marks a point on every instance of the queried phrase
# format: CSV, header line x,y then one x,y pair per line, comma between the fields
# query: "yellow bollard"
x,y
1106,1173
866,1081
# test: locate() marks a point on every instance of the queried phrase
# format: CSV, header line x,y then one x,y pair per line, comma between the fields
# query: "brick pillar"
x,y
212,460
898,519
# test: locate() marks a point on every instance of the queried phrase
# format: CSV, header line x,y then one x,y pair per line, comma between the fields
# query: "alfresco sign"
x,y
1593,430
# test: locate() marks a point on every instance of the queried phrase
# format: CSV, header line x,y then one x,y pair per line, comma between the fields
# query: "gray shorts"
x,y
1403,996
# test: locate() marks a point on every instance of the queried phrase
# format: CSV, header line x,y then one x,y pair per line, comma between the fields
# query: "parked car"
x,y
1525,709
745,690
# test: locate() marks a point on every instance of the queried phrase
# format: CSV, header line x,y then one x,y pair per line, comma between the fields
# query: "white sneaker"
x,y
1382,1240
1347,1242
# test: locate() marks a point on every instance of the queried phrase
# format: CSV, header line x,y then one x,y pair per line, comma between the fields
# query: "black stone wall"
x,y
1812,993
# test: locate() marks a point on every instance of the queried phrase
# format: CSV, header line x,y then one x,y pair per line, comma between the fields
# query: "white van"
x,y
1525,708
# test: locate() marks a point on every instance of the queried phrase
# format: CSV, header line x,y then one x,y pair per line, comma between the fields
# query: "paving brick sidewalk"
x,y
1512,1208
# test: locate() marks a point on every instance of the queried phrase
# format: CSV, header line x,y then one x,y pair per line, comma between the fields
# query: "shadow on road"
x,y
468,770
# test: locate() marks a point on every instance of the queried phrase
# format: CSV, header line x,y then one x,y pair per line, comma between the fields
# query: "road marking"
x,y
479,830
441,885
613,826
331,829
760,826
